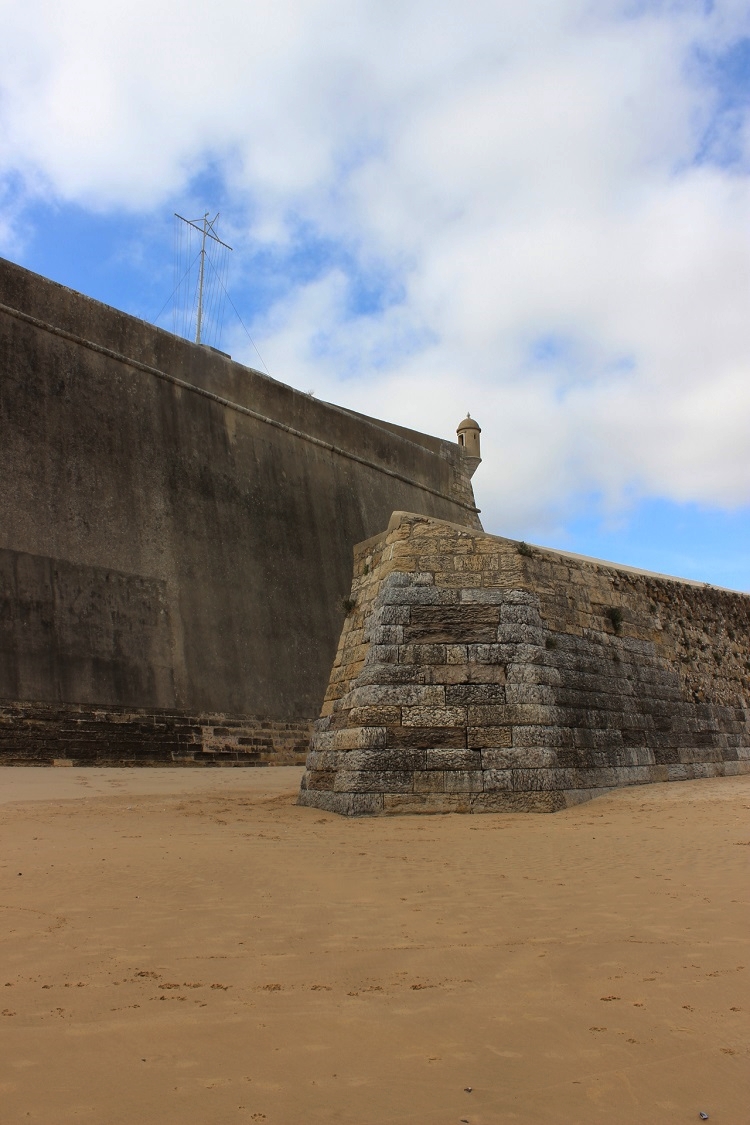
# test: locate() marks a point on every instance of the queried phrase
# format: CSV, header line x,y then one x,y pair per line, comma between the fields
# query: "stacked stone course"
x,y
476,674
40,734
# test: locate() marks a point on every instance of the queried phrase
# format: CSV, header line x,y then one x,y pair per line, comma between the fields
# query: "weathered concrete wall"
x,y
176,529
478,674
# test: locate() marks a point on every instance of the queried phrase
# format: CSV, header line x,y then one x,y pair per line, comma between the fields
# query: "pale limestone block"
x,y
436,563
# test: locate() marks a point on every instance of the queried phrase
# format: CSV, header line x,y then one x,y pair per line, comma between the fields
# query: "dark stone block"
x,y
420,738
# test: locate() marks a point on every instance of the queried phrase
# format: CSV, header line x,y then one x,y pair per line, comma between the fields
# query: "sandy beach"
x,y
190,947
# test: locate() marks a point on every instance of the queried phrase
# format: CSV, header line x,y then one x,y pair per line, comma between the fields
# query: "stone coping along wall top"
x,y
477,674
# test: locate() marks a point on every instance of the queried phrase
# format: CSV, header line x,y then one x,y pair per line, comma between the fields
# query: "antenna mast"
x,y
206,230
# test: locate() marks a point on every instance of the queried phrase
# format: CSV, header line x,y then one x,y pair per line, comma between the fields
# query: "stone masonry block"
x,y
521,634
458,624
437,759
524,780
403,760
397,803
392,615
523,758
433,717
536,714
421,654
383,654
530,802
380,675
464,674
322,740
419,738
429,781
322,760
416,595
484,596
320,779
488,654
522,597
530,693
480,715
387,635
374,716
462,694
479,738
397,579
533,674
520,615
373,781
402,695
463,781
359,738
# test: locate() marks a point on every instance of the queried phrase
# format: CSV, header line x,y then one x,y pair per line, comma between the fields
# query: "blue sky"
x,y
535,212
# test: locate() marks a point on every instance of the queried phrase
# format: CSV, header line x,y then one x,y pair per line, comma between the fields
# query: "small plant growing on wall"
x,y
347,604
525,549
614,613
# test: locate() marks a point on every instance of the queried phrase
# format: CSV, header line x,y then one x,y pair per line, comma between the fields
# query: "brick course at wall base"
x,y
477,674
86,735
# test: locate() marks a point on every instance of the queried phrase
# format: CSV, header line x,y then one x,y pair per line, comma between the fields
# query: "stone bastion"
x,y
478,674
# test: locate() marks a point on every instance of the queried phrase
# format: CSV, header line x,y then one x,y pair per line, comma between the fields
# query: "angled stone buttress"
x,y
477,674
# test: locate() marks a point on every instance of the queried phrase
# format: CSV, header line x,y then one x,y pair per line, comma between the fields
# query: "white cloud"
x,y
522,172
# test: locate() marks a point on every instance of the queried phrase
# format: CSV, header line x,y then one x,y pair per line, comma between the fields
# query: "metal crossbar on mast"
x,y
205,227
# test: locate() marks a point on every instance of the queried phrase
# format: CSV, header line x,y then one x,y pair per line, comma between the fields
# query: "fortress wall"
x,y
479,674
176,529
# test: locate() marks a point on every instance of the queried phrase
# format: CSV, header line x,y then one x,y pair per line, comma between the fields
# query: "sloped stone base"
x,y
476,674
